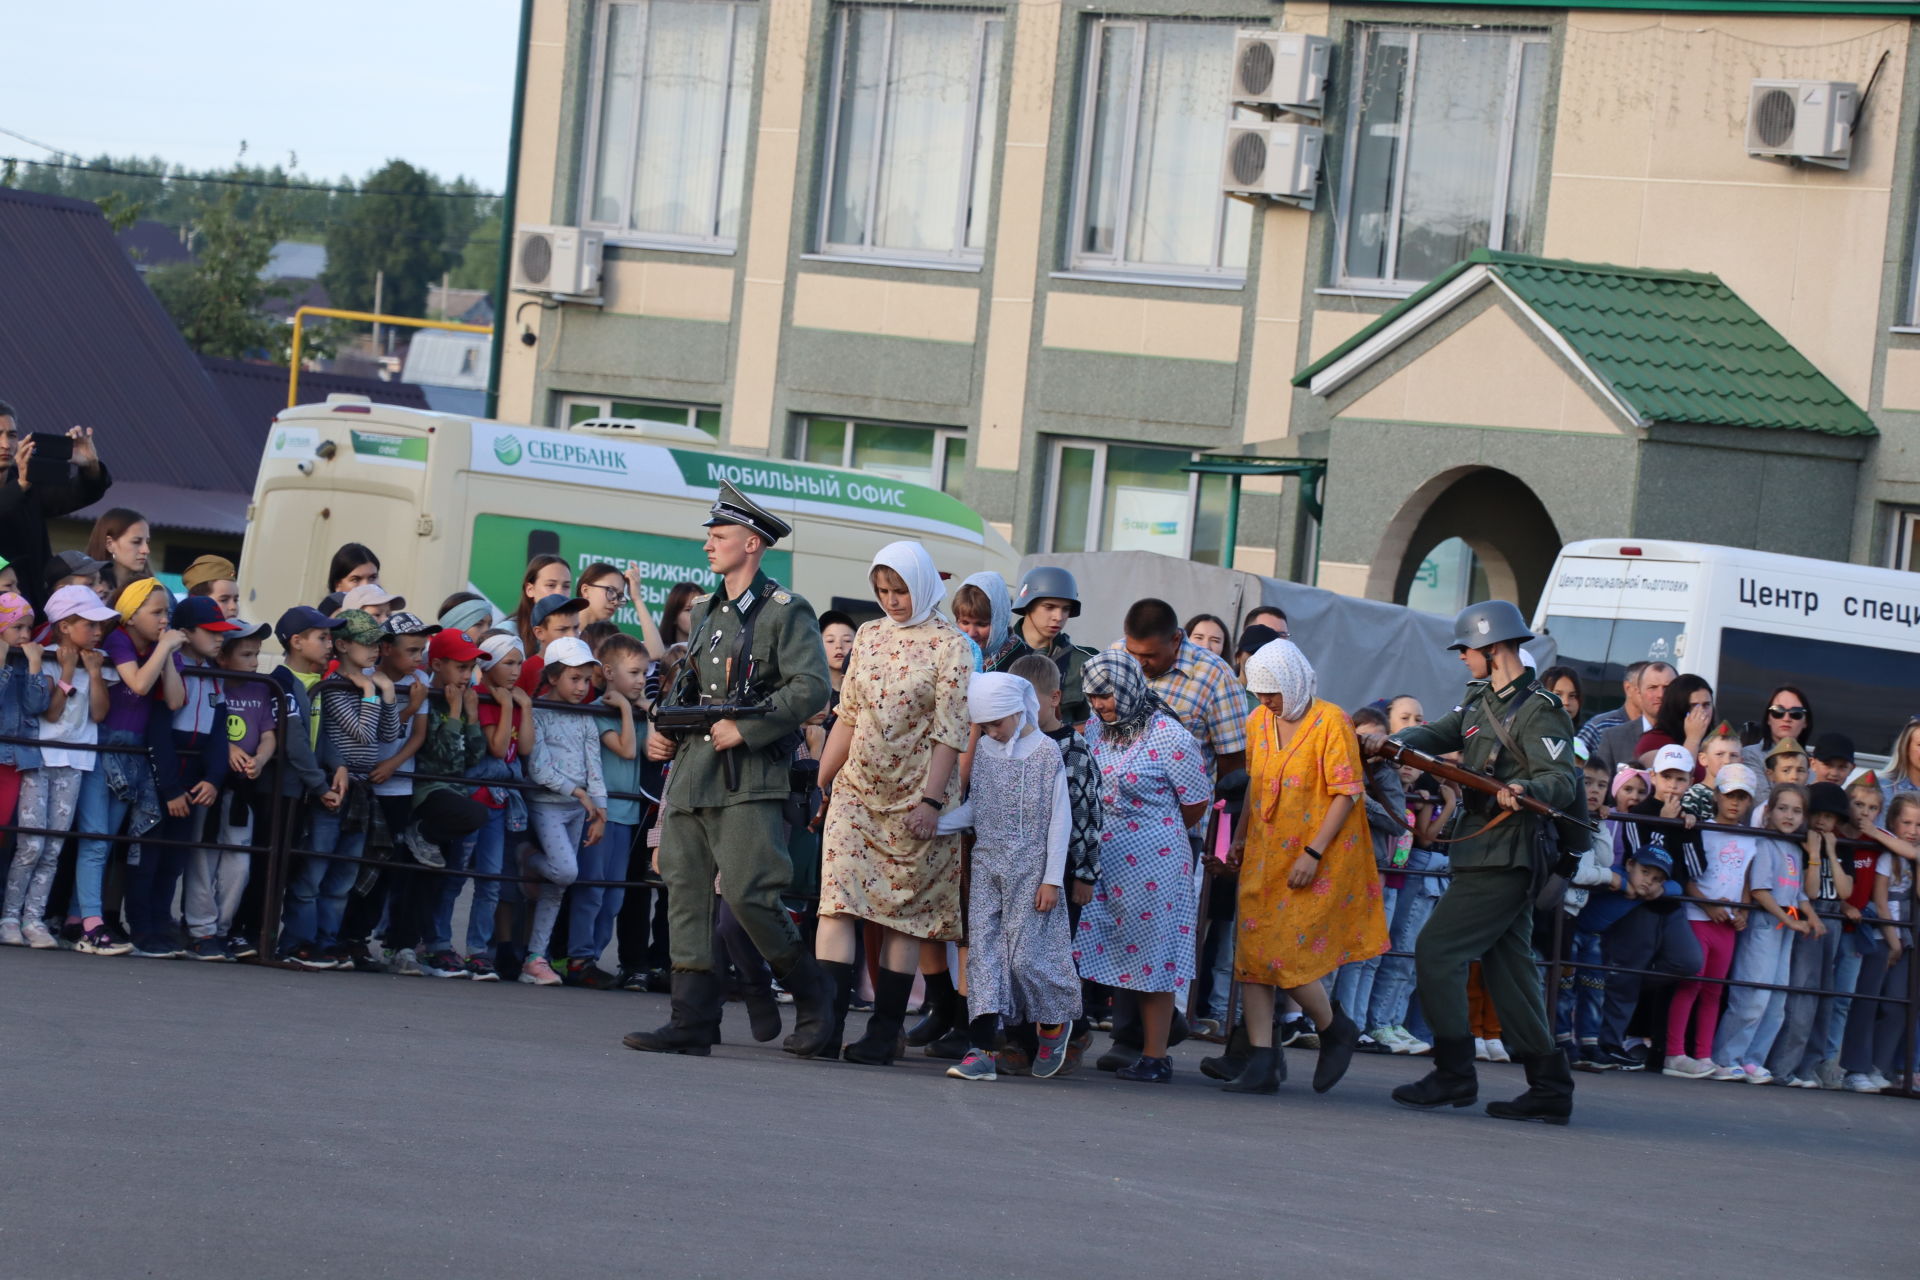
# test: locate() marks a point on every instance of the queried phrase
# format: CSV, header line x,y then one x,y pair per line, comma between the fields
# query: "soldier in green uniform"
x,y
753,642
1048,596
1510,727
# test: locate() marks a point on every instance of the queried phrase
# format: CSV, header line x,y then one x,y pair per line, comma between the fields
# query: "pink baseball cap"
x,y
78,602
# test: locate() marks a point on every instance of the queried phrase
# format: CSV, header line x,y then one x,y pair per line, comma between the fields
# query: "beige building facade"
x,y
984,246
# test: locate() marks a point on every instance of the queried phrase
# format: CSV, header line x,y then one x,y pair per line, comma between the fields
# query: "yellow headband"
x,y
133,595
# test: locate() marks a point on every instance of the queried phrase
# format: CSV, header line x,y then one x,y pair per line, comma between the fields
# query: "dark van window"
x,y
1863,692
1601,649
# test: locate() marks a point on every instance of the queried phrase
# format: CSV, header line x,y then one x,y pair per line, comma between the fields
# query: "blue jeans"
x,y
100,813
482,852
317,892
592,910
1393,984
1353,984
1829,1032
1222,979
1583,992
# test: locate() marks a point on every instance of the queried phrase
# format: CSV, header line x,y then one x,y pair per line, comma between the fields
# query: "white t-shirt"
x,y
74,725
401,783
1728,857
1898,873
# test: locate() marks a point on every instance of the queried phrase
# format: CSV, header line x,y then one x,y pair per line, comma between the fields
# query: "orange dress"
x,y
1289,937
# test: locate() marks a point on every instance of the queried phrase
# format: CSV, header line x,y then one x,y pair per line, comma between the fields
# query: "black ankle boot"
x,y
1451,1083
940,1013
763,1015
1549,1096
951,1045
1337,1044
1229,1065
694,1026
882,1039
1264,1071
820,1025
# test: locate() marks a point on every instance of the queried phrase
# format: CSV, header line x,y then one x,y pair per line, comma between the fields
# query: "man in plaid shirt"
x,y
1196,684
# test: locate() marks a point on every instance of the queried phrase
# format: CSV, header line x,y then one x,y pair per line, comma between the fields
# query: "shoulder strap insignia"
x,y
781,596
701,599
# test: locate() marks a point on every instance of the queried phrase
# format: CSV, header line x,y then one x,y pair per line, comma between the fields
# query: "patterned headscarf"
x,y
1000,606
14,607
915,566
1114,673
1279,667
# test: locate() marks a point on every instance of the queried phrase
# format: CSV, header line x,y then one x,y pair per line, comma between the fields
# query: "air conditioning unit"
x,y
1810,120
1281,161
1280,69
563,261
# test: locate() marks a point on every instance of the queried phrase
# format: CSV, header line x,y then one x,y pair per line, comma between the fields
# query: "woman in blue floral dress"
x,y
1137,933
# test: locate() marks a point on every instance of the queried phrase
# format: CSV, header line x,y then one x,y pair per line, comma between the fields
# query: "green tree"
x,y
402,235
216,300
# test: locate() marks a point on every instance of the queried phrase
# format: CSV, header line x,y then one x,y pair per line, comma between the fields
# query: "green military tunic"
x,y
1486,914
1072,660
739,834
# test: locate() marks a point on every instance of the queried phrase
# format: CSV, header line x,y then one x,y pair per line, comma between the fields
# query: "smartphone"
x,y
52,458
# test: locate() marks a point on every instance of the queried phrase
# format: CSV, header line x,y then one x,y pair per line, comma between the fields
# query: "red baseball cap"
x,y
453,646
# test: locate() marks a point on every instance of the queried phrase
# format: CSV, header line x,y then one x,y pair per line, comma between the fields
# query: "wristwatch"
x,y
937,804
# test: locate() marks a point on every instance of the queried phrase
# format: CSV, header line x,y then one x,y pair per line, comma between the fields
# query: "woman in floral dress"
x,y
1137,933
890,767
1309,893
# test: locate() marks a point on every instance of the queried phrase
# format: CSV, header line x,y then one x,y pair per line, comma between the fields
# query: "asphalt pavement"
x,y
206,1121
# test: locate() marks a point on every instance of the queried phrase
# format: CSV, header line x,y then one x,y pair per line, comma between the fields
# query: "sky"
x,y
344,85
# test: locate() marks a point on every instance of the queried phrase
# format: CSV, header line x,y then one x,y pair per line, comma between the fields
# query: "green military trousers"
x,y
1485,916
745,844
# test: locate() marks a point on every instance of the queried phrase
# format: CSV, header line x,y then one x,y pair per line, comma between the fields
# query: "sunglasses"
x,y
1787,713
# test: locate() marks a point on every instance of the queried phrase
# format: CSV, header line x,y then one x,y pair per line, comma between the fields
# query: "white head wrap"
x,y
915,567
994,694
1279,667
498,647
1000,604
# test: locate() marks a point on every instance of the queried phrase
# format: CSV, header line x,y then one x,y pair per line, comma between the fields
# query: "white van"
x,y
1746,621
452,503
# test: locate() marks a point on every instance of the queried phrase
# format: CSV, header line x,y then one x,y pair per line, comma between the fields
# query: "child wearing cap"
x,y
1764,954
571,806
1870,1049
506,722
1720,875
190,768
1831,759
592,910
25,692
353,726
50,792
455,746
1863,951
373,600
217,579
553,617
1719,748
1640,927
9,578
215,888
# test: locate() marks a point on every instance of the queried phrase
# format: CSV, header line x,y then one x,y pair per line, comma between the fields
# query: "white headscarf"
x,y
915,567
1000,606
1279,667
993,695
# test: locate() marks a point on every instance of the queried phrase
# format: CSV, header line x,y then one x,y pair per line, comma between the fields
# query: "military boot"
x,y
1549,1095
1450,1083
817,1032
881,1043
813,993
694,1025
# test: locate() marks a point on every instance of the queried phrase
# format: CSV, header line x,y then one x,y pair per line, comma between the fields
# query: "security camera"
x,y
304,466
325,449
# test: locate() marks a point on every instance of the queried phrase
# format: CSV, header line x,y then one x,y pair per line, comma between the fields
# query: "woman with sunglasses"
x,y
1787,714
606,590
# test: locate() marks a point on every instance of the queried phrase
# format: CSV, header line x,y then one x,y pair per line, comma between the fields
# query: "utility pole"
x,y
379,287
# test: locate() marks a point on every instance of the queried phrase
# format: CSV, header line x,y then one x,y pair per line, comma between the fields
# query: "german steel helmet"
x,y
1489,622
1047,582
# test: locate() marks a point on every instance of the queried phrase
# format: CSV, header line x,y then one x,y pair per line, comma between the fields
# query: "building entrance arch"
x,y
1502,521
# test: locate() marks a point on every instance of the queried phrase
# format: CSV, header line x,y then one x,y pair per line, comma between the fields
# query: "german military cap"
x,y
735,507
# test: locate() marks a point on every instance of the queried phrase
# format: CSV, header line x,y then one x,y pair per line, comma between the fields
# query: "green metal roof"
x,y
1673,346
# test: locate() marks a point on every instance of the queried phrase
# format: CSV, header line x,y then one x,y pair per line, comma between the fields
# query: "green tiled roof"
x,y
1673,346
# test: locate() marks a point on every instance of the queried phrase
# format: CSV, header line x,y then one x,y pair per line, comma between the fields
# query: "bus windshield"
x,y
1601,649
1853,689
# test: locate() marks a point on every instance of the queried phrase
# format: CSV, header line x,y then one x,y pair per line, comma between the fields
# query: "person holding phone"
x,y
30,496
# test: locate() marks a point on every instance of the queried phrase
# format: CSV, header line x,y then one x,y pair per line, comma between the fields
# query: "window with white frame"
x,y
1444,134
574,409
1123,497
667,134
932,456
912,132
1153,129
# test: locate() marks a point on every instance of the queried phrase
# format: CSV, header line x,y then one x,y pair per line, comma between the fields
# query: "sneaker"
x,y
780,994
1680,1066
239,947
406,964
1858,1082
157,949
860,1006
1385,1037
1052,1052
102,941
1879,1081
536,972
581,972
1728,1073
70,935
629,979
341,955
1291,1030
309,956
11,934
1208,1029
1480,1050
38,936
1497,1052
360,957
443,964
1615,1058
1754,1073
1145,1070
1011,1061
481,969
1830,1075
209,949
1802,1082
1415,1045
977,1065
424,851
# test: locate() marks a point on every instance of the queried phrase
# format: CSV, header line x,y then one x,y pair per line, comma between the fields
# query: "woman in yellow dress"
x,y
1309,894
889,768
